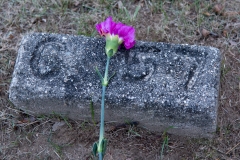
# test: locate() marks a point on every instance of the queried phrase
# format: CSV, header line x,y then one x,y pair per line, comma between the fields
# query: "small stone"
x,y
57,125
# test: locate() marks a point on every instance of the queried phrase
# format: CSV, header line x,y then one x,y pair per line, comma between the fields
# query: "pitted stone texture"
x,y
157,84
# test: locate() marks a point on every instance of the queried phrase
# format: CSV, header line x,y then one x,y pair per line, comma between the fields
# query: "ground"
x,y
211,23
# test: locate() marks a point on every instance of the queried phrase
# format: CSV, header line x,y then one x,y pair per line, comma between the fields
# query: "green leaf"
x,y
111,76
104,146
94,149
99,74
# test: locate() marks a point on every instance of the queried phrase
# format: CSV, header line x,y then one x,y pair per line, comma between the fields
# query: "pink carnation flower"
x,y
124,33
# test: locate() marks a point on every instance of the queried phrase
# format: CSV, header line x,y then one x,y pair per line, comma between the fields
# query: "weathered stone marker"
x,y
157,84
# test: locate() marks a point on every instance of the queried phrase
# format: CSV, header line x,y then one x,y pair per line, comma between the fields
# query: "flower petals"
x,y
125,33
105,27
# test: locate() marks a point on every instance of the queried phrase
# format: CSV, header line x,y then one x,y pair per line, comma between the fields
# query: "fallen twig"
x,y
232,148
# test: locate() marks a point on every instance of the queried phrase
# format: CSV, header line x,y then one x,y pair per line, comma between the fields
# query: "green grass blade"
x,y
136,12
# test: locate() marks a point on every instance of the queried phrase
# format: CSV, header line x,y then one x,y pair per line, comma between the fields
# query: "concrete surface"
x,y
157,84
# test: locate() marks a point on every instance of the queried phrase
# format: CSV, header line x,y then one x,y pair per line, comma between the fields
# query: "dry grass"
x,y
174,21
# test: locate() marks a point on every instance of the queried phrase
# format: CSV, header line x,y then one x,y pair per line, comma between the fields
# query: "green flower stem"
x,y
100,156
104,85
101,136
105,78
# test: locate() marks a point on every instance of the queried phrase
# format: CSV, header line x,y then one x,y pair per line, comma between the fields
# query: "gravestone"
x,y
157,84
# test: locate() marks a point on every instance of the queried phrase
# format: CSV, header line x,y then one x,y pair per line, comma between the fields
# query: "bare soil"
x,y
210,23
